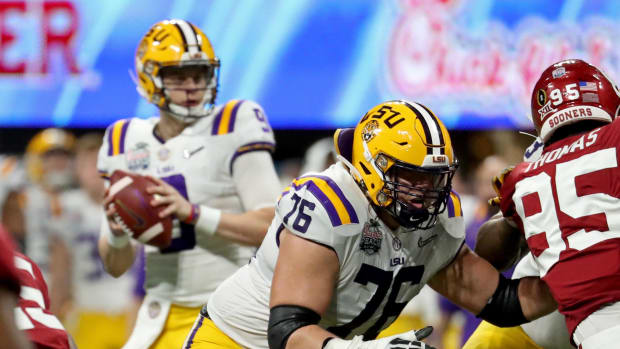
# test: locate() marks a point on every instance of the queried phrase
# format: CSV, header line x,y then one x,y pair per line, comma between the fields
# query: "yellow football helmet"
x,y
175,43
43,142
401,155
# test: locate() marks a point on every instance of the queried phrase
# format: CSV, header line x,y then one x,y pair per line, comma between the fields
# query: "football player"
x,y
31,313
95,299
547,332
49,157
214,172
564,202
351,245
12,338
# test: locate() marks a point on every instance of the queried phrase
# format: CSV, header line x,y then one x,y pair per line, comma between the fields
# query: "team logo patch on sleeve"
x,y
372,237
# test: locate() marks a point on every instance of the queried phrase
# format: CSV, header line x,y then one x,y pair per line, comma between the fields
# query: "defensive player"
x,y
350,246
12,338
32,312
565,202
214,172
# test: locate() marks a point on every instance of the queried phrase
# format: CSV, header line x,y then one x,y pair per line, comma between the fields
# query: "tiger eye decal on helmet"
x,y
175,43
399,138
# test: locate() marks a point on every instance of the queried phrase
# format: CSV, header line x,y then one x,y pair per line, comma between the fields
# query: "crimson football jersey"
x,y
8,273
566,204
32,314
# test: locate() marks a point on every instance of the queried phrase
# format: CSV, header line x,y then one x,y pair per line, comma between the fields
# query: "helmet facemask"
x,y
189,114
414,195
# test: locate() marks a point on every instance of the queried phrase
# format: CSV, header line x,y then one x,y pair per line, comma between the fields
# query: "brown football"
x,y
134,212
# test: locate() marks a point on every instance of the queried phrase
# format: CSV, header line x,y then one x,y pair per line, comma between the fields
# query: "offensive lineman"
x,y
350,246
214,172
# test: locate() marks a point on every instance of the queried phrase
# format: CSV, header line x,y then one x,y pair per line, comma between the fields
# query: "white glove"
x,y
406,340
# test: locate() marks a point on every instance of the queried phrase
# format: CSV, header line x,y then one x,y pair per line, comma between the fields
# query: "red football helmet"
x,y
571,91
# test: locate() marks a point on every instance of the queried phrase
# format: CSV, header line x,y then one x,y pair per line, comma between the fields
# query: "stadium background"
x,y
314,65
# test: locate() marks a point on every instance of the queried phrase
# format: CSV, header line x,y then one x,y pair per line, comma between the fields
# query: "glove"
x,y
497,183
406,340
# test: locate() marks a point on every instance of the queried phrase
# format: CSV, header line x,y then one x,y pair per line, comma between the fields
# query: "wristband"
x,y
193,215
118,241
208,220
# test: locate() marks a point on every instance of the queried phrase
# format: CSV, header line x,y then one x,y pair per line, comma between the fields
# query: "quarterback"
x,y
214,173
351,245
565,202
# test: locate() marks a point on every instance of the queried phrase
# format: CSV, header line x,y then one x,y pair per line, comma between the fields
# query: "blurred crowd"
x,y
51,203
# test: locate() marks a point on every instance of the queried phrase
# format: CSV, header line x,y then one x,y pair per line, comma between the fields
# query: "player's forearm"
x,y
535,298
116,261
248,228
498,242
311,336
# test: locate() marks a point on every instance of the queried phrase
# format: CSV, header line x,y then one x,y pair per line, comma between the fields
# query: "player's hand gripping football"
x,y
167,195
406,340
111,215
497,183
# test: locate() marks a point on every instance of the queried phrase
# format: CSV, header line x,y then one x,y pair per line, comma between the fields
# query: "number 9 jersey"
x,y
198,163
566,204
380,269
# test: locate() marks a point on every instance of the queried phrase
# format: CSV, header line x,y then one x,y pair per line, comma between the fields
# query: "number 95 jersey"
x,y
380,269
198,163
566,204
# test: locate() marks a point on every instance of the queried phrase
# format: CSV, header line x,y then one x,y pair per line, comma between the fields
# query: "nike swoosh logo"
x,y
187,154
423,242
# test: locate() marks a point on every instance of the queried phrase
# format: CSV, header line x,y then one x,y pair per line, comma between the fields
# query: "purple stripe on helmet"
x,y
233,117
255,146
190,340
123,134
341,196
324,200
217,121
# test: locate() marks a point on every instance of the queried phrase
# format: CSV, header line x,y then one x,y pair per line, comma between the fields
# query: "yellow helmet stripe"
x,y
454,205
333,200
116,137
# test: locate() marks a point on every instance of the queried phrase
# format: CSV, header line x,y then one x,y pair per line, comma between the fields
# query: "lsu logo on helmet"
x,y
396,138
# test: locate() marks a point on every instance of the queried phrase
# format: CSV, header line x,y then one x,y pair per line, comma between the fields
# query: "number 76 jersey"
x,y
566,204
380,269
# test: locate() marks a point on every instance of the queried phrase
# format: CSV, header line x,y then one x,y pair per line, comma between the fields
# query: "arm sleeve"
x,y
256,180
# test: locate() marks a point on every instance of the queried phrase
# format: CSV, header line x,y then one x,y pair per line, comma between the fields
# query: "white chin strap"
x,y
190,114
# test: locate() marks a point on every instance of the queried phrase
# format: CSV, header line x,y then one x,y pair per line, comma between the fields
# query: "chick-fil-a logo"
x,y
433,56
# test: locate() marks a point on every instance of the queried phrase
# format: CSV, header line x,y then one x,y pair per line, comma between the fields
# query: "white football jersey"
x,y
41,213
380,270
93,288
198,163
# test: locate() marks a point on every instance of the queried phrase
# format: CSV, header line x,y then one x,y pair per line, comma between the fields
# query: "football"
x,y
134,212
